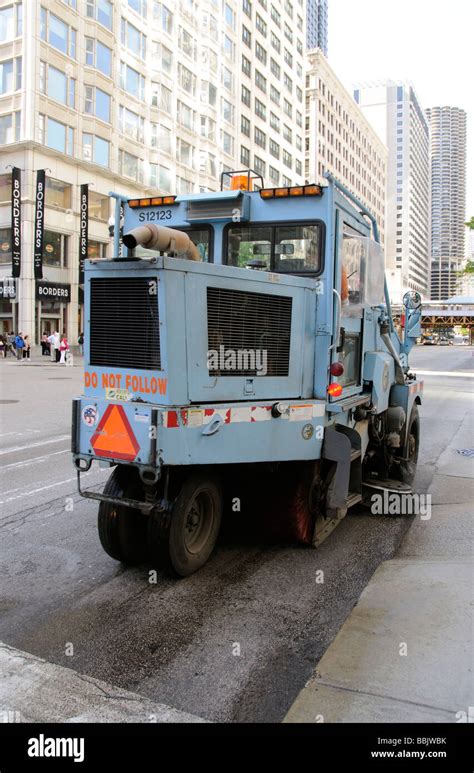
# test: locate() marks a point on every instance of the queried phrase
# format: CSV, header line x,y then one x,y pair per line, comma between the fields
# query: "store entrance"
x,y
49,325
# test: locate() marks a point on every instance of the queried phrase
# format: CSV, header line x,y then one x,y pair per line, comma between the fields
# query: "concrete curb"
x,y
32,690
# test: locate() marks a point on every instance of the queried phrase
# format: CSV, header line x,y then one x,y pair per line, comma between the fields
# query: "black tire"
x,y
407,467
123,530
184,541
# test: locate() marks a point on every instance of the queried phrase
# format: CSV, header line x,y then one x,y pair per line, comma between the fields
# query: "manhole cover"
x,y
465,451
7,402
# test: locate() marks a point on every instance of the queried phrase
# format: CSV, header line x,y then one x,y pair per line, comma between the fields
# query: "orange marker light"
x,y
313,190
157,201
281,192
266,193
296,191
334,390
134,203
145,202
168,199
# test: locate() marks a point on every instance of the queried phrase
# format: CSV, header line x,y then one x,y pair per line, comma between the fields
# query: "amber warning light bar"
x,y
296,190
157,201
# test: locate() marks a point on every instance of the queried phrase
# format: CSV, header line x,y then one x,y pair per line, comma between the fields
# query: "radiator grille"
x,y
241,321
124,324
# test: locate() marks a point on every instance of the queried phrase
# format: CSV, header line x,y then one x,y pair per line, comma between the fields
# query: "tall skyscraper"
x,y
339,139
395,113
317,25
135,96
448,198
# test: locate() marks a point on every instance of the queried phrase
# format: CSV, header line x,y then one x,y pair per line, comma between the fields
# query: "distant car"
x,y
428,341
445,342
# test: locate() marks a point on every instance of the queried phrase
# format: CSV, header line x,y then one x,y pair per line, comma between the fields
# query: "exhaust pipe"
x,y
162,239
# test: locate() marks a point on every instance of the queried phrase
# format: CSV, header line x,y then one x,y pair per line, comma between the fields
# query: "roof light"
x,y
296,191
313,190
280,192
156,201
334,390
267,193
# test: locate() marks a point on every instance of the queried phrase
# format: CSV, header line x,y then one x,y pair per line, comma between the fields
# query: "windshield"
x,y
291,249
200,236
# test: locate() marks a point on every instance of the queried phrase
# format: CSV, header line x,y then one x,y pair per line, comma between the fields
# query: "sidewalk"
x,y
404,654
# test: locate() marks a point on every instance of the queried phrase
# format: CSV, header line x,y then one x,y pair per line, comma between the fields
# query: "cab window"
x,y
354,258
291,249
201,238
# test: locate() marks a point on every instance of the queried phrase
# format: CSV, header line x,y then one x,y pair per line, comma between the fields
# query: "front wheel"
x,y
185,542
407,466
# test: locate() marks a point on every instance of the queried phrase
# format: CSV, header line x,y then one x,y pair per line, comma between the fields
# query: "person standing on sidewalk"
x,y
19,346
26,348
11,343
80,341
54,341
63,348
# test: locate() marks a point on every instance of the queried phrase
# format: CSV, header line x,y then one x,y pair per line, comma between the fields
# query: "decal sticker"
x,y
307,431
118,394
301,412
195,418
90,415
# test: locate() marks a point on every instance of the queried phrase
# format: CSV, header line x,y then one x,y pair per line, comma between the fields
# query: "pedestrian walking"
x,y
55,351
63,348
19,346
11,343
80,341
3,346
26,348
45,345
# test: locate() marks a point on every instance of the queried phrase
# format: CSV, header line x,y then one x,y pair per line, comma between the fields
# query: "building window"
x,y
184,152
10,75
227,79
287,160
98,56
227,143
275,41
131,123
57,33
260,138
245,126
58,194
246,96
298,167
56,135
246,66
99,206
130,166
57,85
227,111
132,81
187,80
275,69
132,38
287,133
288,33
95,149
139,6
275,16
247,8
288,83
186,43
11,22
260,109
260,53
274,149
274,95
259,165
260,25
97,102
55,249
299,119
260,81
246,36
185,116
164,17
101,11
244,156
274,122
274,175
287,108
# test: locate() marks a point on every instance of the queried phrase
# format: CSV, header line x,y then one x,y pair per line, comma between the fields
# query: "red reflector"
x,y
336,369
334,390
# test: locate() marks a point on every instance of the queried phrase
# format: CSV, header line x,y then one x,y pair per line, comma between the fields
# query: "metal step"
x,y
355,454
353,499
380,484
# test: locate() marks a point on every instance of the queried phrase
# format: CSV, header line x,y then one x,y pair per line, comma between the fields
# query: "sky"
x,y
427,42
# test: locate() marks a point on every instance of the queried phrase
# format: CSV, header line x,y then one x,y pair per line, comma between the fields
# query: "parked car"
x,y
428,341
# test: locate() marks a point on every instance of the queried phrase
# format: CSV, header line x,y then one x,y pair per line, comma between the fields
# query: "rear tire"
x,y
123,530
184,541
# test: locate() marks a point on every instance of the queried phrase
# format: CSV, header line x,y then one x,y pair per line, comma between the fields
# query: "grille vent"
x,y
244,321
124,324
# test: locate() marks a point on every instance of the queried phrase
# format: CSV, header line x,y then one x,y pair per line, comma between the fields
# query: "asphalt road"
x,y
176,641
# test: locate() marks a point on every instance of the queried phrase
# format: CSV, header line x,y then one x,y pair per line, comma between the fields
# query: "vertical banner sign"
x,y
39,223
83,230
16,222
122,215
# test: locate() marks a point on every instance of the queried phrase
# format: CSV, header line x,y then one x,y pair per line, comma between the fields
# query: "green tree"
x,y
470,224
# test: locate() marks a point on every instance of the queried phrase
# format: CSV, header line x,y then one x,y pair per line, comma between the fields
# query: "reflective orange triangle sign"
x,y
114,436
